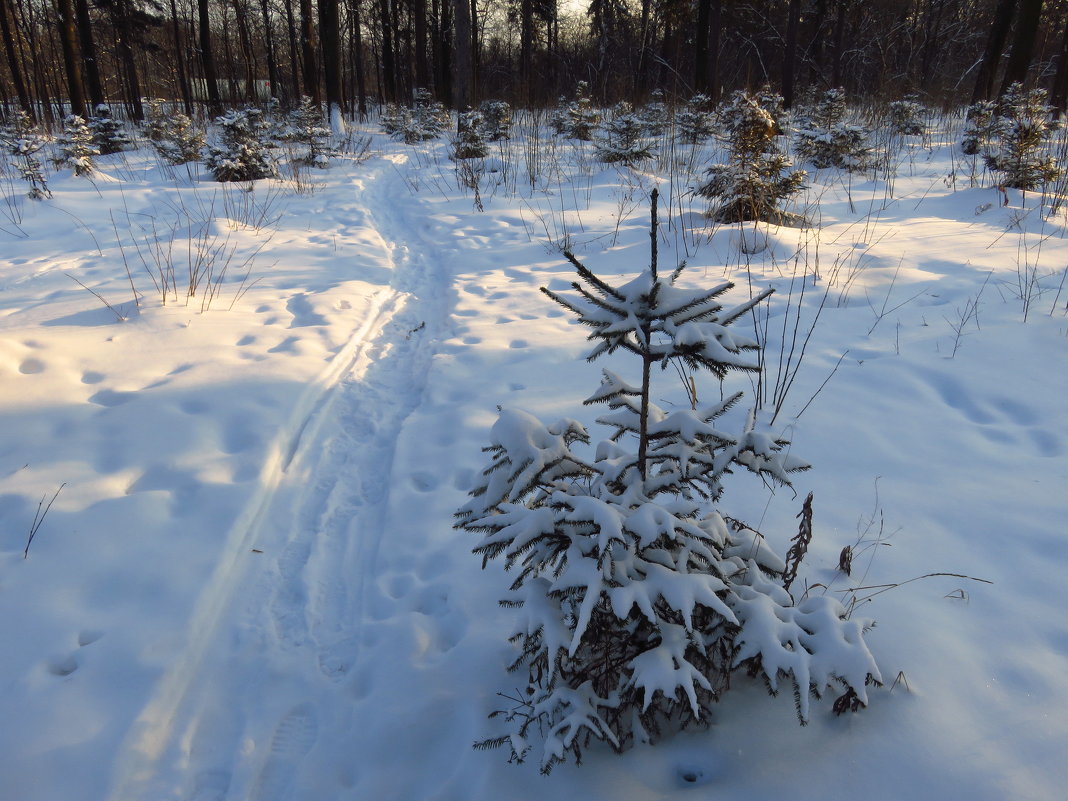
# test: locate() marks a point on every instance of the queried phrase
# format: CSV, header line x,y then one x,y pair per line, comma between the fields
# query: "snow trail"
x,y
281,617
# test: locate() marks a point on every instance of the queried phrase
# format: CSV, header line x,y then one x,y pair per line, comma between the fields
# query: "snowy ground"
x,y
249,586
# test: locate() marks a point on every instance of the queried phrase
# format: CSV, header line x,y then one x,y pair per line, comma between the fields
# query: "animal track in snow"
x,y
31,366
303,313
112,397
424,481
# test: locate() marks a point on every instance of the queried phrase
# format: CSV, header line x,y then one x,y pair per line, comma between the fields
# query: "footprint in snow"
x,y
291,742
31,366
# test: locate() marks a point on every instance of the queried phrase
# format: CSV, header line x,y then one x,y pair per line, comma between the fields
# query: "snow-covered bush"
x,y
622,138
496,120
174,137
426,119
655,115
635,600
906,117
1020,155
757,176
76,148
577,119
21,140
981,127
109,135
827,139
305,127
696,121
243,154
468,143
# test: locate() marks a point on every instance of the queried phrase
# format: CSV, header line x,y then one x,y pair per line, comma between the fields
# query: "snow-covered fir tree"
x,y
496,120
635,600
757,177
906,117
1020,156
696,121
576,119
177,139
469,142
622,138
826,138
655,115
306,129
109,134
426,119
243,153
22,142
75,146
156,120
981,127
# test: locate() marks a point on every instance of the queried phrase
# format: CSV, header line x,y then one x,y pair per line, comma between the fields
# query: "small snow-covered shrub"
x,y
243,154
468,143
496,120
109,135
176,139
622,138
76,148
635,600
577,119
981,127
305,127
426,119
827,139
156,120
757,176
696,122
906,117
1025,126
655,115
21,140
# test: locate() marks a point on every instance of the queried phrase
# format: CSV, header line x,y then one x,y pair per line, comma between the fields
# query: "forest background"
x,y
71,55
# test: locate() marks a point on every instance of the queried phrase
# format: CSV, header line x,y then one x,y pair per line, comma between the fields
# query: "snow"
x,y
249,586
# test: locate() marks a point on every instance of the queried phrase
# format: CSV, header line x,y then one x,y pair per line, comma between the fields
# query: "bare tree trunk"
x,y
330,36
307,48
789,64
1023,43
995,44
461,82
179,50
357,57
268,42
422,64
389,66
68,38
207,59
13,59
89,57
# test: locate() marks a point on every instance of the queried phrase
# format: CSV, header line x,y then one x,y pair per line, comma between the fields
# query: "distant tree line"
x,y
70,55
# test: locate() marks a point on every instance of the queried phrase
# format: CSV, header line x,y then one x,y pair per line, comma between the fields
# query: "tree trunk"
x,y
330,39
461,83
179,50
1023,43
526,50
995,44
389,66
12,58
357,57
68,38
700,52
1059,91
789,64
268,42
307,51
207,59
422,64
89,57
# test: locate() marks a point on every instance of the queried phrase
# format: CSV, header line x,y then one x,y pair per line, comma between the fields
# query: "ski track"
x,y
285,623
